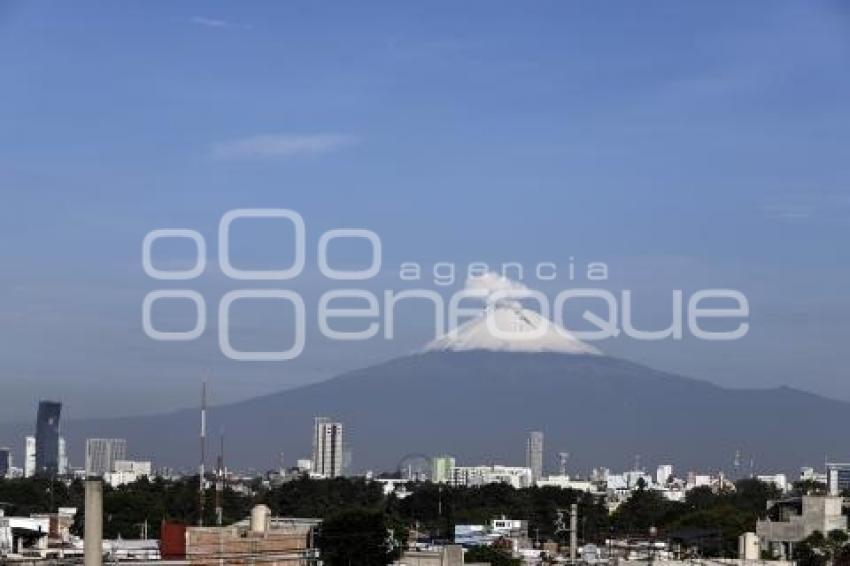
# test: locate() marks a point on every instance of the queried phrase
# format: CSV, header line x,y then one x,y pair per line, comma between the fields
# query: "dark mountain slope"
x,y
480,405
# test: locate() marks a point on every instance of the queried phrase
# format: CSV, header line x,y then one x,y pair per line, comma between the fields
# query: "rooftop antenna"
x,y
637,463
201,467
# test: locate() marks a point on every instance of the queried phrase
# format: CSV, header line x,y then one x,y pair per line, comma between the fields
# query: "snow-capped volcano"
x,y
507,327
483,391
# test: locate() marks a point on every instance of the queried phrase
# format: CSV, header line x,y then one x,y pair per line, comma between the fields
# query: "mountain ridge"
x,y
479,405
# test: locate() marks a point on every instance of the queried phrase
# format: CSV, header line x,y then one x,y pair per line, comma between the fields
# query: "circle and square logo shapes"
x,y
180,335
268,356
299,244
174,275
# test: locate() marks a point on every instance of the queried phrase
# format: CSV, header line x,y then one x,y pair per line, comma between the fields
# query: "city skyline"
x,y
445,283
103,456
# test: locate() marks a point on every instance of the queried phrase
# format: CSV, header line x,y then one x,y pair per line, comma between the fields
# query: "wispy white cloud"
x,y
821,205
217,23
491,283
789,211
281,145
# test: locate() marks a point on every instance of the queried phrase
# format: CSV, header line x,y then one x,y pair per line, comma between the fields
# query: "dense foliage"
x,y
711,522
362,537
820,550
322,498
125,509
437,508
23,497
715,519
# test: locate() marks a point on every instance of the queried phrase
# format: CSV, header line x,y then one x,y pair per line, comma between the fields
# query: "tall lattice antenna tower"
x,y
202,466
219,480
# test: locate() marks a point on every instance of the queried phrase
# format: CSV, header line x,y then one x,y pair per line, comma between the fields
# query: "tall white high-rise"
x,y
62,461
441,469
101,454
327,448
663,473
29,457
534,454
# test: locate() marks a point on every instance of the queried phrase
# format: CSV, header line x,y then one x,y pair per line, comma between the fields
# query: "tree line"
x,y
352,505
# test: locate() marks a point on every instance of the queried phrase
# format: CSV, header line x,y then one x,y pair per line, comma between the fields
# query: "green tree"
x,y
811,551
359,537
836,541
817,549
644,509
304,497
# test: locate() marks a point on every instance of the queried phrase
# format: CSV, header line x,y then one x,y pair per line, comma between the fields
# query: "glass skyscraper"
x,y
5,462
47,438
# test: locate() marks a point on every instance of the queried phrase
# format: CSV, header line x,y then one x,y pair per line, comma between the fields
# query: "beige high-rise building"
x,y
327,448
534,455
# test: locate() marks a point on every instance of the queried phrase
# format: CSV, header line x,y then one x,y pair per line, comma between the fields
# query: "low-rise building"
x,y
837,477
566,482
451,555
471,476
127,471
791,520
280,541
505,531
809,474
24,536
780,481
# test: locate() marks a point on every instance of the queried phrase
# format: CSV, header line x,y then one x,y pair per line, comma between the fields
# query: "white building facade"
x,y
29,456
327,448
101,454
470,476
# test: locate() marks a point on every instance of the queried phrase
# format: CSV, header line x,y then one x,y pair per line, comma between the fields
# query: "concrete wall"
x,y
451,555
207,545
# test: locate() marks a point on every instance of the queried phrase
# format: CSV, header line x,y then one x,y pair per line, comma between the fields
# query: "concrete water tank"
x,y
260,518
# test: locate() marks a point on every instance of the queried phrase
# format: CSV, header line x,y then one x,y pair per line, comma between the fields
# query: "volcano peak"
x,y
508,327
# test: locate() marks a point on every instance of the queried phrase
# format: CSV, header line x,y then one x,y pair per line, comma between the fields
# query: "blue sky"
x,y
685,144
